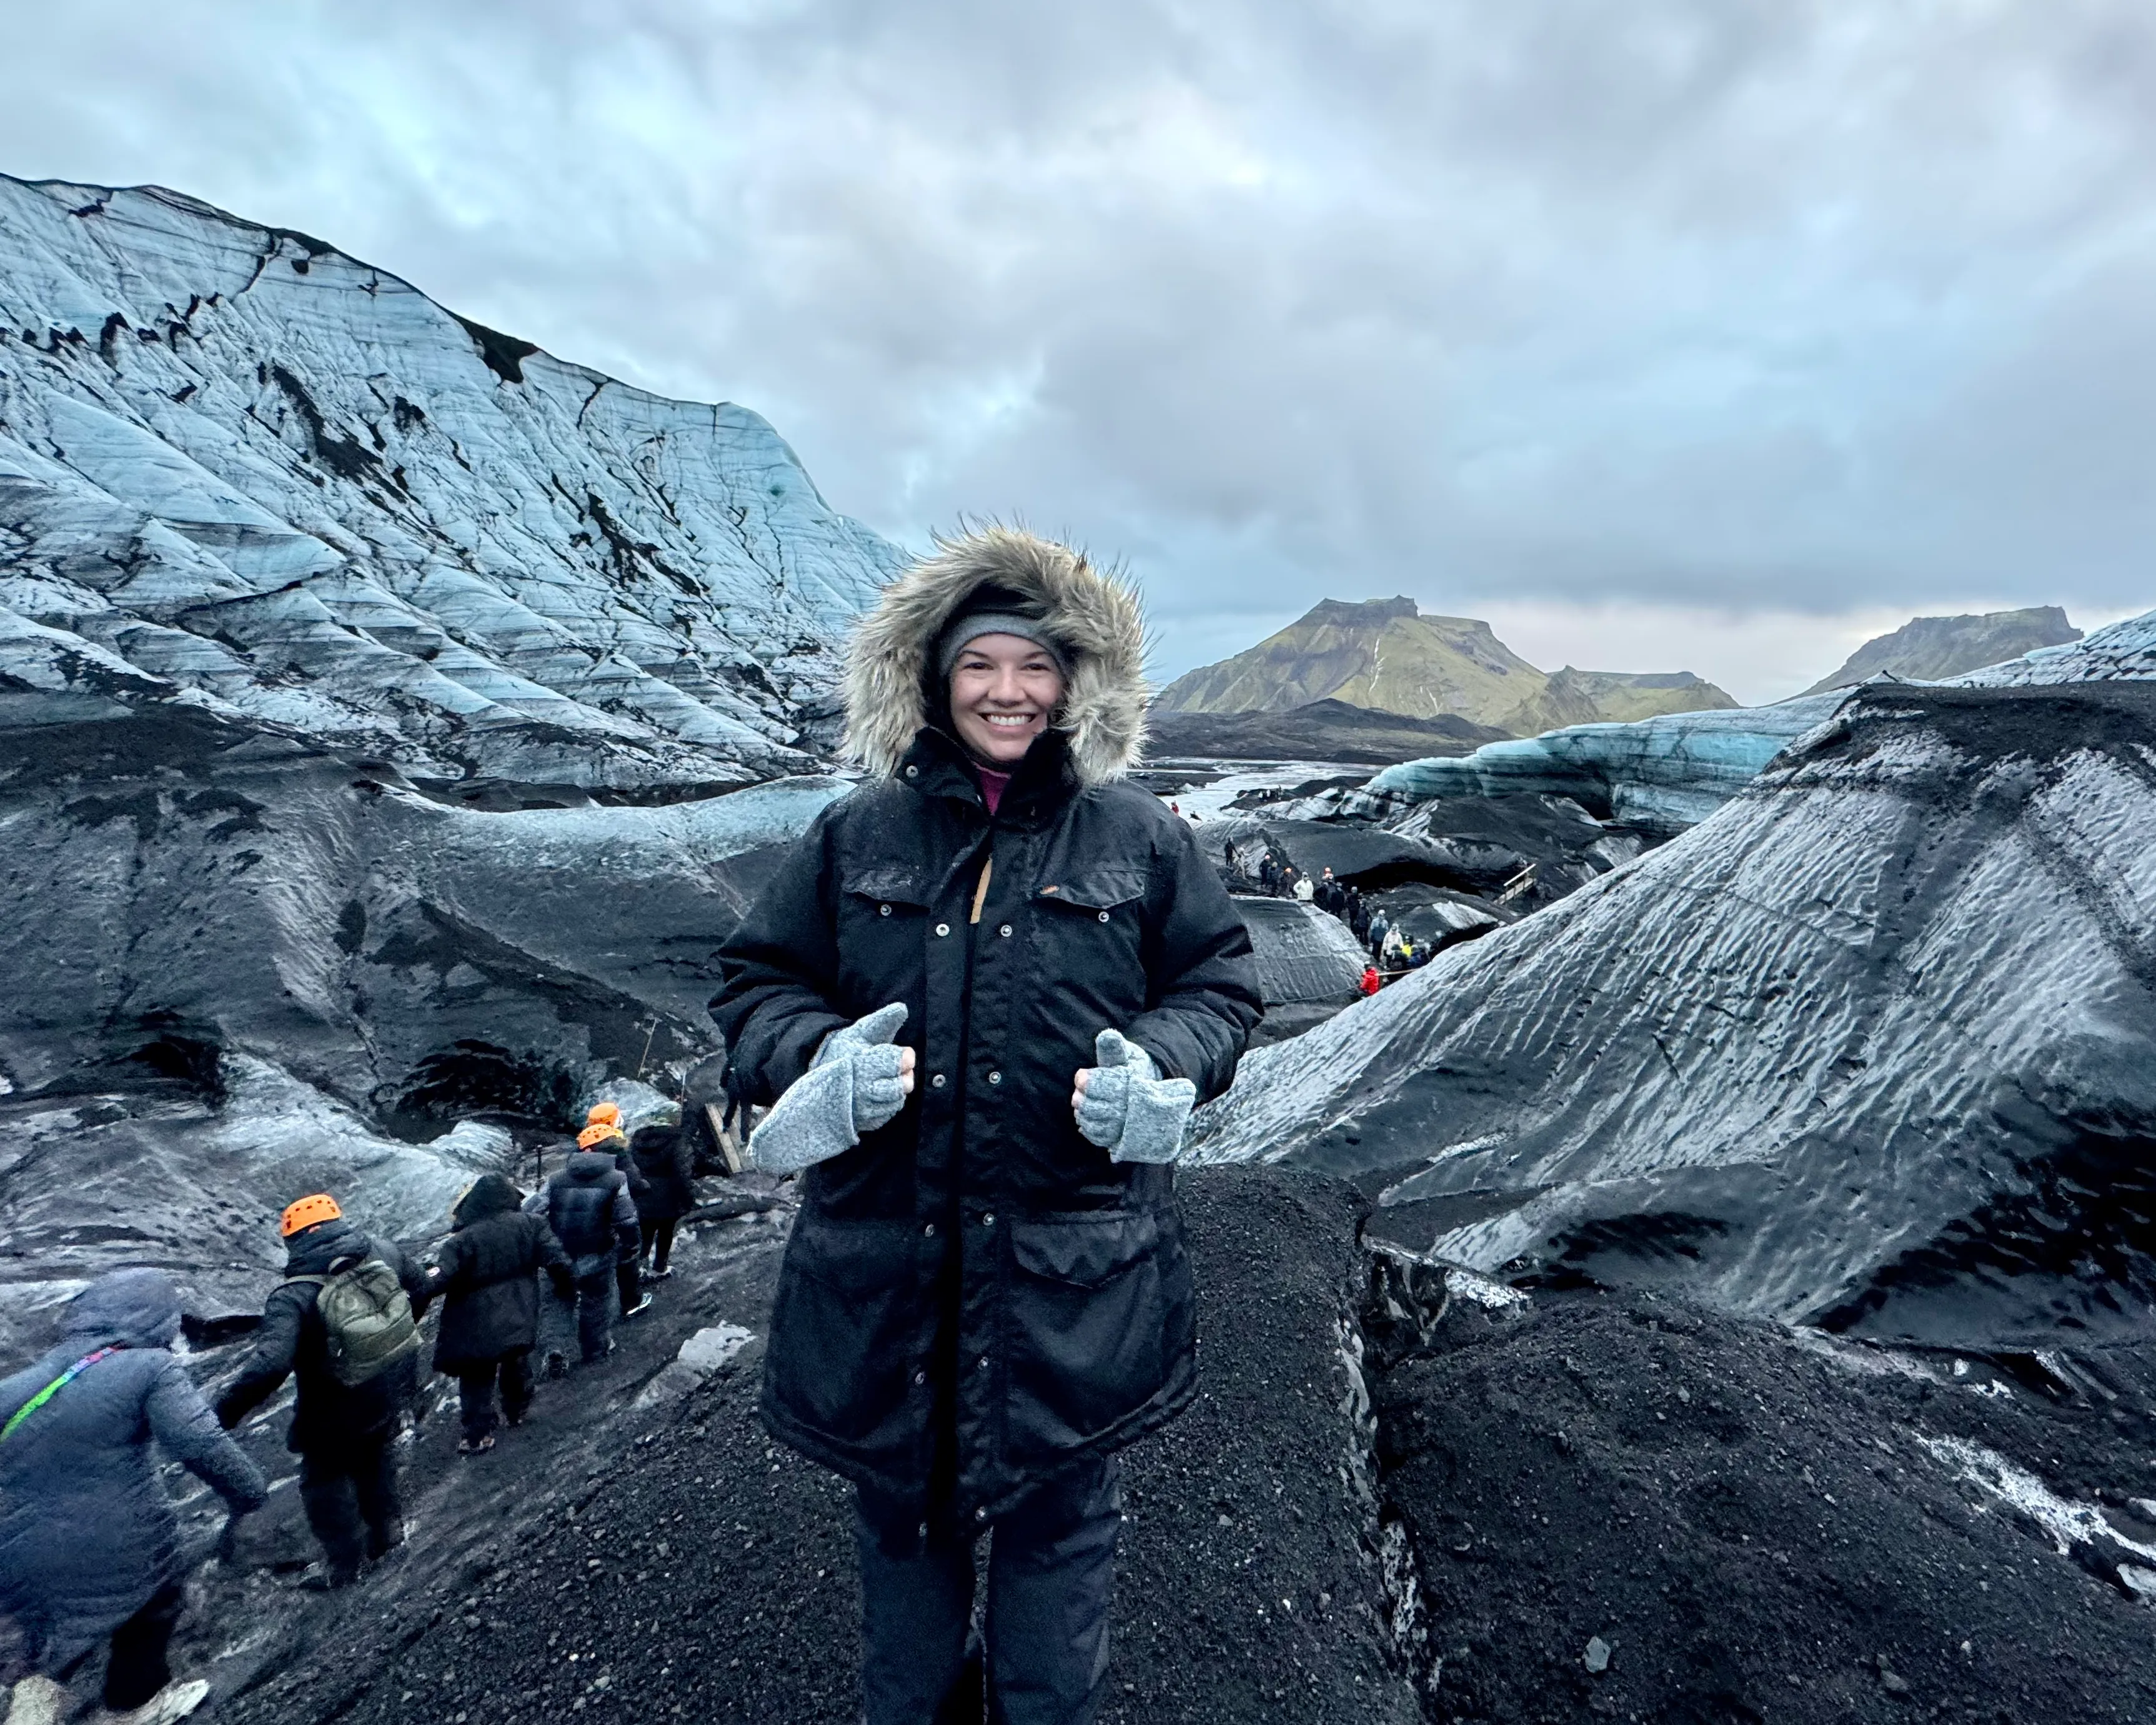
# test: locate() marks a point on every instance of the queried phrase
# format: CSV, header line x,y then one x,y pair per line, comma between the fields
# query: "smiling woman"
x,y
986,1294
1004,688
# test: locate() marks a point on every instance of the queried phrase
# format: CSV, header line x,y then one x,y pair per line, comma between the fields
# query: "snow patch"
x,y
2067,1523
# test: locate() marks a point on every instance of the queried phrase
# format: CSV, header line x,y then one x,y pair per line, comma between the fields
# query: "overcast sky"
x,y
1713,335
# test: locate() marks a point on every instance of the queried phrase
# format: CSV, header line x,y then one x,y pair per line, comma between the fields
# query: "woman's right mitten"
x,y
851,1086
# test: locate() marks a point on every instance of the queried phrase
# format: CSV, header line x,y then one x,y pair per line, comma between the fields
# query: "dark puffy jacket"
x,y
667,1157
86,1532
488,1276
590,1209
292,1341
977,1275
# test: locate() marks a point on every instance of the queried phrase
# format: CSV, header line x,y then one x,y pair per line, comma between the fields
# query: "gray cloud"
x,y
1753,305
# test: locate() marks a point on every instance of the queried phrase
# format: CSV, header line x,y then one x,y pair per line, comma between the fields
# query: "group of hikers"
x,y
1392,948
980,998
90,1548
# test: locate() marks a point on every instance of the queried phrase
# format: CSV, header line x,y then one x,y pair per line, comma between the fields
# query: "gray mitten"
x,y
1129,1110
852,1086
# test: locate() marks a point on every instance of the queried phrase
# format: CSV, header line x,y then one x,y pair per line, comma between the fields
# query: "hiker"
x,y
590,1209
487,1275
342,1321
987,1292
90,1547
1328,894
1302,888
668,1163
603,1133
1381,926
1268,873
1372,982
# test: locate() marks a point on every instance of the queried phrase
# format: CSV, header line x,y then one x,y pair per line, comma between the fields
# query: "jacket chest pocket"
x,y
882,914
1090,926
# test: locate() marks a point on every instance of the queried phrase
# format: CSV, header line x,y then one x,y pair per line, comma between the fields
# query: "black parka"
x,y
588,1205
976,1297
488,1276
667,1159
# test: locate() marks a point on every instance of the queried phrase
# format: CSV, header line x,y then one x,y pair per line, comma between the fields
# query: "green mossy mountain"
x,y
1385,654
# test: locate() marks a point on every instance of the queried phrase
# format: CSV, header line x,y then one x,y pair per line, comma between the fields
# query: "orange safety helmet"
x,y
604,1114
321,1207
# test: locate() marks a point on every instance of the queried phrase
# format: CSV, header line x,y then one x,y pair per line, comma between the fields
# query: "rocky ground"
x,y
671,1563
1393,1502
1740,1522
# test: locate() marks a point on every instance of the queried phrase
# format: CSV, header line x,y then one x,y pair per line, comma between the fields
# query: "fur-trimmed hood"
x,y
1094,617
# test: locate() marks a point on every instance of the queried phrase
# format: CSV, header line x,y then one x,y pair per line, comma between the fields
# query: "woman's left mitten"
x,y
1128,1109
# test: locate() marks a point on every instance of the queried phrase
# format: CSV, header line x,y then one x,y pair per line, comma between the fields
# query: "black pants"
x,y
658,1242
625,1282
590,1310
137,1668
349,1492
1051,1572
475,1393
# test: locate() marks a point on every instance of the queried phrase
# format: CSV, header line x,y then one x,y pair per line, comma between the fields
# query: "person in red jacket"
x,y
1371,980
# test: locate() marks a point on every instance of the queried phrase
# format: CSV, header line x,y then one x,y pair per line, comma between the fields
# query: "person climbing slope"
x,y
668,1162
602,1133
589,1208
488,1276
90,1547
984,992
342,1321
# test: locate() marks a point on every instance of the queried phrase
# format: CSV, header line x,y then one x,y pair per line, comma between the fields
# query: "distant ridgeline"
x,y
1384,653
1926,649
242,471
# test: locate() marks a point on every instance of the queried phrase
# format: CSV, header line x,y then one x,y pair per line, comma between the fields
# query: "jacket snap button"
x,y
989,1220
942,928
883,910
937,1082
981,1364
1004,931
995,1078
930,1231
980,1515
921,1378
913,772
924,1530
1104,915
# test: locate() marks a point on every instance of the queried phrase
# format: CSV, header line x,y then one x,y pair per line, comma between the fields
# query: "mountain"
x,y
239,466
1385,654
1327,730
1926,649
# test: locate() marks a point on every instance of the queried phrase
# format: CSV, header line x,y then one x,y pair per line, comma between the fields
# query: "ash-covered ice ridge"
x,y
1872,1046
239,467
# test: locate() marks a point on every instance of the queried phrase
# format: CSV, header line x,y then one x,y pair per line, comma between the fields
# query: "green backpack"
x,y
366,1320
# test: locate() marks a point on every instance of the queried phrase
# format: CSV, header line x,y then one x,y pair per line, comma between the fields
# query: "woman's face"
x,y
1004,691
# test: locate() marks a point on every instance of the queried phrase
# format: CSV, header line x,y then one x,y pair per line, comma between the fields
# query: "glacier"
x,y
1873,1046
1668,773
240,468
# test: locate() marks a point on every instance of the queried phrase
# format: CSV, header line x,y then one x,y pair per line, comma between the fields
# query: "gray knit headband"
x,y
971,627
